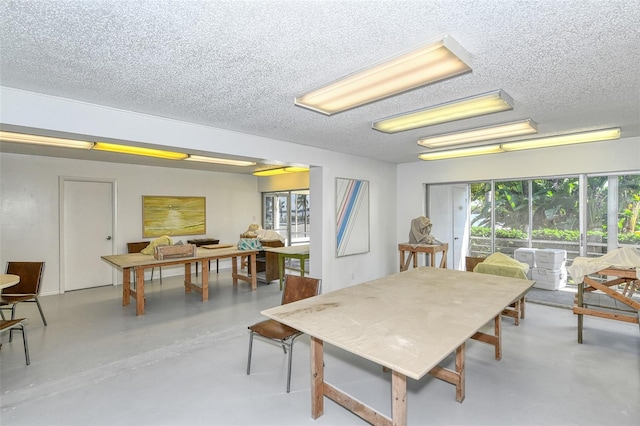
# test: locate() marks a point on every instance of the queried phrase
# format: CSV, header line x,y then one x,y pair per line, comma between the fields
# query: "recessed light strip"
x,y
215,160
480,134
280,171
464,152
487,103
572,138
429,63
135,150
545,142
43,140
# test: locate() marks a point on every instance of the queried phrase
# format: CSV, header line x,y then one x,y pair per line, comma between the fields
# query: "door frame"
x,y
62,180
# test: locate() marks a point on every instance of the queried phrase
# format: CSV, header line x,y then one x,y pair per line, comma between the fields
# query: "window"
x,y
545,213
287,213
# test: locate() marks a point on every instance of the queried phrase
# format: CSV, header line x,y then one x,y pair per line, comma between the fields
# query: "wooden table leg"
x,y
317,378
498,333
399,398
254,275
205,283
126,286
460,370
187,277
139,294
281,268
234,270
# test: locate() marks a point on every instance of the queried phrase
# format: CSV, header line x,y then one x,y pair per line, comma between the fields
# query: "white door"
x,y
460,205
88,233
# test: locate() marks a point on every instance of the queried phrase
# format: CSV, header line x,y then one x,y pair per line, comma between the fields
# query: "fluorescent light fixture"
x,y
215,160
43,140
480,134
474,106
280,171
426,64
568,139
464,152
134,150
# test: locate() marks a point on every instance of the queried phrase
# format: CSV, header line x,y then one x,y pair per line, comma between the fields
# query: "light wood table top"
x,y
407,322
8,280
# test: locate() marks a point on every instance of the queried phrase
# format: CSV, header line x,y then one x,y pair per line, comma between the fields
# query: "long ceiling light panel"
x,y
280,171
568,139
480,134
427,64
215,160
43,140
487,103
135,150
464,152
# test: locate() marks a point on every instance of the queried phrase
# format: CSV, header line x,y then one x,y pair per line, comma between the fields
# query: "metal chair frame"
x,y
287,341
17,324
13,304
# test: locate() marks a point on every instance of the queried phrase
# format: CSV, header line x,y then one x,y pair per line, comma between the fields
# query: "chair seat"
x,y
273,329
7,324
9,299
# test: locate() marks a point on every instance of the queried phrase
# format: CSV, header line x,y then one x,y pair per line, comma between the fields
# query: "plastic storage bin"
x,y
526,255
549,279
550,259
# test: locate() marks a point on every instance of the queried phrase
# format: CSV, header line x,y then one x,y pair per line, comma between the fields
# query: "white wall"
x,y
598,157
34,110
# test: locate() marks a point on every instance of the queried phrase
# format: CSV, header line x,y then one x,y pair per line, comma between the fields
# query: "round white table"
x,y
7,280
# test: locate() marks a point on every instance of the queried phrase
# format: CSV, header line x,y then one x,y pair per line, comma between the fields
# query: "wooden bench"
x,y
603,300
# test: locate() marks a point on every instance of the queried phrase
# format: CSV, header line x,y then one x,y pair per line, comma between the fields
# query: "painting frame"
x,y
173,215
352,217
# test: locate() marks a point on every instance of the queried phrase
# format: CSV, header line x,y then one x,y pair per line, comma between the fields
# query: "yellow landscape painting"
x,y
173,216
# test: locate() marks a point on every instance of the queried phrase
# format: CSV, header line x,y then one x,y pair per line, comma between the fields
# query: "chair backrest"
x,y
30,274
471,262
298,288
137,247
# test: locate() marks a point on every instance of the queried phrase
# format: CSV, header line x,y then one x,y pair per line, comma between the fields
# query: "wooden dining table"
x,y
407,322
138,262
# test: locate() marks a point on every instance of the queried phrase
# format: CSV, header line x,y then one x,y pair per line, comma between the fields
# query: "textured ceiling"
x,y
237,65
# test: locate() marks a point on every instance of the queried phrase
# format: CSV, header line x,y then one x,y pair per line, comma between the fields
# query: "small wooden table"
x,y
138,262
407,322
300,252
414,249
609,304
8,280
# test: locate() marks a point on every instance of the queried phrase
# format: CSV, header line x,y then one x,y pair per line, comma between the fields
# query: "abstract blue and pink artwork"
x,y
352,216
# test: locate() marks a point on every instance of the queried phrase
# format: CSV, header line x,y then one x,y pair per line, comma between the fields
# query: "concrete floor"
x,y
184,363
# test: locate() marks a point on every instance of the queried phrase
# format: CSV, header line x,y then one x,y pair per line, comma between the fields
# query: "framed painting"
x,y
352,216
173,216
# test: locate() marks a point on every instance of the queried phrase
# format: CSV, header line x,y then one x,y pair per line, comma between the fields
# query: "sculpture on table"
x,y
420,232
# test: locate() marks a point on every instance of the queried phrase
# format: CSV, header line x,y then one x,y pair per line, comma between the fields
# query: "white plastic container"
x,y
526,255
549,279
550,259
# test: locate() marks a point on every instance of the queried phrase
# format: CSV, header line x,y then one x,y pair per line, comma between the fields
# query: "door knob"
x,y
109,238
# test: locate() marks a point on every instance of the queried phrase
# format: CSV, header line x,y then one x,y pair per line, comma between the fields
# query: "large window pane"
x,y
300,217
511,216
597,216
555,215
480,215
629,210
